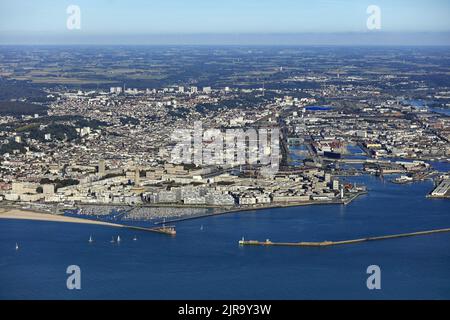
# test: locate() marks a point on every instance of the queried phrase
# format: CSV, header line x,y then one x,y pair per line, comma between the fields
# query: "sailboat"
x,y
90,239
134,239
118,238
201,228
17,246
112,240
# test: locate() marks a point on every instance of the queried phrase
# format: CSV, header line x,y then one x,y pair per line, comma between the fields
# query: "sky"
x,y
140,21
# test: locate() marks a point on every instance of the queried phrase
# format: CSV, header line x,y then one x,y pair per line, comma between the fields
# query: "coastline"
x,y
36,215
20,214
264,207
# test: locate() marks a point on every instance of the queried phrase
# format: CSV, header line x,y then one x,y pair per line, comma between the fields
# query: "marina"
x,y
16,214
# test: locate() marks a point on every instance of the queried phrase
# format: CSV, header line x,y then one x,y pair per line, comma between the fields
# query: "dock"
x,y
336,243
442,190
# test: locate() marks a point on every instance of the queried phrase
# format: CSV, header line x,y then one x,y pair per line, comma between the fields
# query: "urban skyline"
x,y
201,150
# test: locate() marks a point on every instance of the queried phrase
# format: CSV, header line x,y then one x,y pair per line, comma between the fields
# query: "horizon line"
x,y
366,38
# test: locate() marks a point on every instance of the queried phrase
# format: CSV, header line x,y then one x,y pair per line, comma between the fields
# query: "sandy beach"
x,y
30,215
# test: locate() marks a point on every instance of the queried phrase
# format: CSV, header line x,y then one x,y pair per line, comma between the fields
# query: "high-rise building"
x,y
335,184
101,168
137,176
48,189
207,90
115,90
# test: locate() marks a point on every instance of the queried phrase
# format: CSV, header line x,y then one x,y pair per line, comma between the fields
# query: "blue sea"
x,y
208,263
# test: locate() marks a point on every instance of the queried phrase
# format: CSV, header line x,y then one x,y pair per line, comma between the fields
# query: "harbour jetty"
x,y
244,242
169,230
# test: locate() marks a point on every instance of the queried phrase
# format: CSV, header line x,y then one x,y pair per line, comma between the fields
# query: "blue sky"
x,y
122,18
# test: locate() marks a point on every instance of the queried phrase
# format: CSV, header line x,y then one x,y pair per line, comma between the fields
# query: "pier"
x,y
169,230
442,190
336,243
